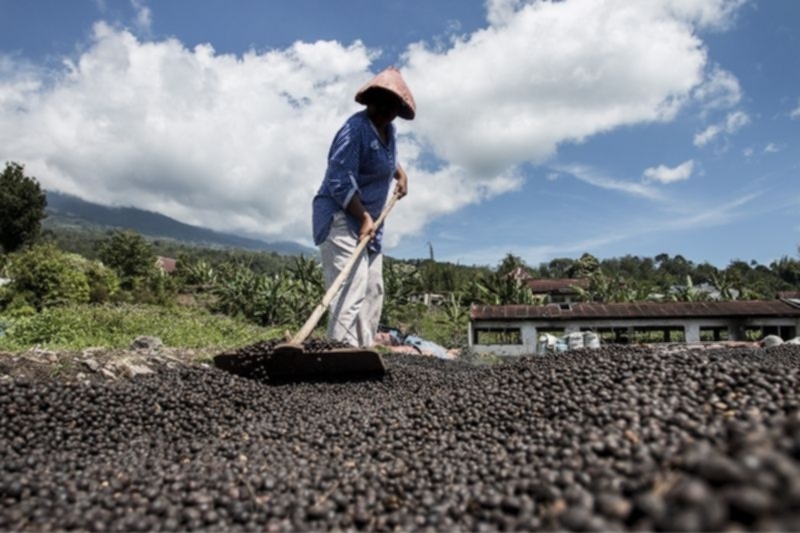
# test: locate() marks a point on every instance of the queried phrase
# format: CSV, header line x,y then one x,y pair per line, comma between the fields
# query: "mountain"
x,y
65,210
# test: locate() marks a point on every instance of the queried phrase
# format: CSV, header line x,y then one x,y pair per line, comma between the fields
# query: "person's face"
x,y
387,106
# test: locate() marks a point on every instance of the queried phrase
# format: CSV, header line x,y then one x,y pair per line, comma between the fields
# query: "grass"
x,y
83,326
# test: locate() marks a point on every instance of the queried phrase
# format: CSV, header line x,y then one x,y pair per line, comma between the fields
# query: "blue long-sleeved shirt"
x,y
358,163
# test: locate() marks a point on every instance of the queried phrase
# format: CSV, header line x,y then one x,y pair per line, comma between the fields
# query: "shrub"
x,y
103,282
45,276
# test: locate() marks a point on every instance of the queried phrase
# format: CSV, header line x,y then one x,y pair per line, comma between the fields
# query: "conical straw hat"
x,y
391,80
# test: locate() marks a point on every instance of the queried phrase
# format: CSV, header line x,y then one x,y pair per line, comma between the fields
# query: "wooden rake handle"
x,y
313,320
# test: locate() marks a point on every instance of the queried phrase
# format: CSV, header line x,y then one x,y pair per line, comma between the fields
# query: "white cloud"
x,y
500,12
732,123
553,176
238,143
693,218
533,255
795,113
144,17
772,148
720,90
596,178
748,152
665,174
18,80
709,14
515,91
709,216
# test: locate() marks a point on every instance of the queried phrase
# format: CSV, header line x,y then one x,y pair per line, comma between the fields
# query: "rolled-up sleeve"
x,y
343,165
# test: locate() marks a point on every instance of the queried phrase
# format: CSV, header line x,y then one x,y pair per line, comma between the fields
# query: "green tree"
x,y
787,269
22,208
559,267
130,256
510,263
584,267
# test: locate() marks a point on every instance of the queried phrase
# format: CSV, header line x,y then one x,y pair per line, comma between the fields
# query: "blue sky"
x,y
546,129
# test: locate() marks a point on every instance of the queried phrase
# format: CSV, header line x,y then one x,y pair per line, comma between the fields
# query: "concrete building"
x,y
515,329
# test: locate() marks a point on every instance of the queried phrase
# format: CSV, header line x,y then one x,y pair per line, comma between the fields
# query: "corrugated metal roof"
x,y
542,286
789,295
591,310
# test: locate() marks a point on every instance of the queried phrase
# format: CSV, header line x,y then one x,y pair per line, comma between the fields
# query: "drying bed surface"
x,y
612,439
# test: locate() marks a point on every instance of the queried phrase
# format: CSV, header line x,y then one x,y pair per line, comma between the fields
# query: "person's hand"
x,y
367,228
401,189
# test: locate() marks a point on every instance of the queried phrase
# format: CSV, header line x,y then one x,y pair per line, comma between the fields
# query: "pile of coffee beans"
x,y
619,438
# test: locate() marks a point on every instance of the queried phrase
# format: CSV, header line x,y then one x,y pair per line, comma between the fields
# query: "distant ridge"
x,y
65,210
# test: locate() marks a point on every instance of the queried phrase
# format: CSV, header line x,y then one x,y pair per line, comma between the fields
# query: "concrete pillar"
x,y
736,331
692,332
631,335
470,334
529,337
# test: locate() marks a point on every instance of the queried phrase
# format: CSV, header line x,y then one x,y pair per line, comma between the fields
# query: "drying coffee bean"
x,y
617,438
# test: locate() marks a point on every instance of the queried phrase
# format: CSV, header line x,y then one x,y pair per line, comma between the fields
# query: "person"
x,y
362,164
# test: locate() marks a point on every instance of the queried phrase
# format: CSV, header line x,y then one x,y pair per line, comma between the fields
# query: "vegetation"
x,y
75,288
76,327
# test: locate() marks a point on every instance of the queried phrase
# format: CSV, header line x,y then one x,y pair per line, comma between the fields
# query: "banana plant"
x,y
305,285
454,318
275,299
200,275
400,283
496,289
724,285
688,293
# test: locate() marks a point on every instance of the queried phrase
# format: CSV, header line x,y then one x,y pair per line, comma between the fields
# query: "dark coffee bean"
x,y
617,438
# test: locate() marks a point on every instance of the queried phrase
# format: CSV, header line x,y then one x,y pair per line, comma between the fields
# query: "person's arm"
x,y
341,176
343,166
402,182
356,208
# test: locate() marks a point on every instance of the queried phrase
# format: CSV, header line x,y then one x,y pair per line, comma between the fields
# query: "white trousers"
x,y
355,312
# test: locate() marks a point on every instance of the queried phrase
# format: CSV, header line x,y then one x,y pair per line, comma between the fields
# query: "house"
x,y
519,274
788,295
515,329
428,298
711,292
166,264
558,290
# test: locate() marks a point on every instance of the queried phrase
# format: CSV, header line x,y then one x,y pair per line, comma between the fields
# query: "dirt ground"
x,y
145,356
